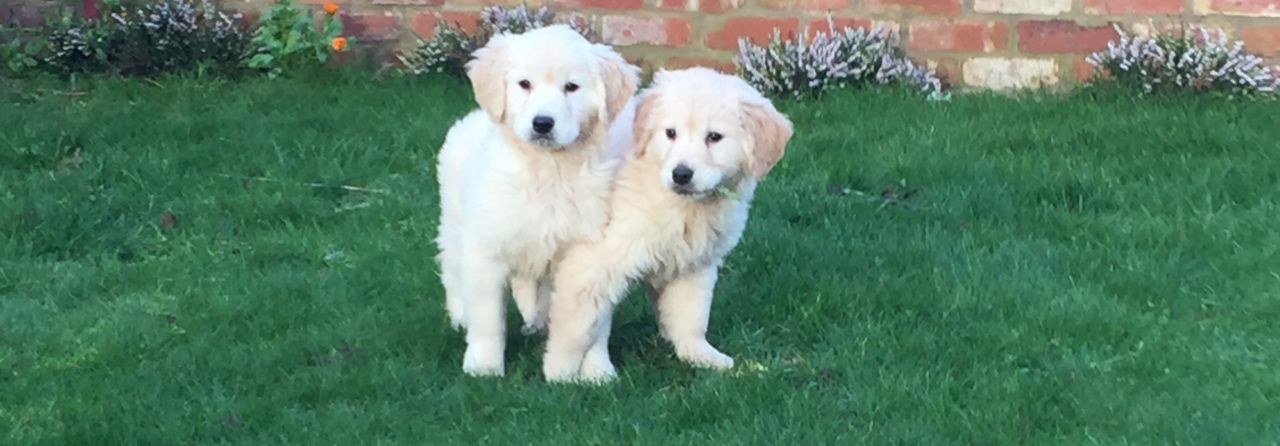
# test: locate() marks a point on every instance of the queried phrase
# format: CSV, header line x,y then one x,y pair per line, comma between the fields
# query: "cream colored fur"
x,y
512,197
672,236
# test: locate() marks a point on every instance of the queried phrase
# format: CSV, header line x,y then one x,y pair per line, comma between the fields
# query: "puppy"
x,y
523,176
701,142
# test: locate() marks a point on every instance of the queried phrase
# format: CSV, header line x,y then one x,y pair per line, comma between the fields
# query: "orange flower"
x,y
339,44
331,8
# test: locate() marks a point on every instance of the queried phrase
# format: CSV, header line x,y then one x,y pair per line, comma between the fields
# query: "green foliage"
x,y
179,36
287,40
20,56
446,52
78,46
168,36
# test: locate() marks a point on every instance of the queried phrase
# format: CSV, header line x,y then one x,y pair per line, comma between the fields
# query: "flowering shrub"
x,y
79,46
1199,61
838,58
450,48
287,39
177,35
167,36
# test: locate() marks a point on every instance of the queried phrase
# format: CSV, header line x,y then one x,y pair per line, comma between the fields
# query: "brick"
x,y
999,73
599,4
479,3
756,29
469,21
424,23
408,2
1083,70
1033,7
1252,8
249,17
1264,40
371,27
948,70
1063,36
1140,7
948,7
1150,28
30,15
820,26
708,6
809,5
679,63
581,21
962,36
627,30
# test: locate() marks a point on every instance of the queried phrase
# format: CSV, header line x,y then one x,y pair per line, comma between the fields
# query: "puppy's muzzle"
x,y
682,182
543,125
682,175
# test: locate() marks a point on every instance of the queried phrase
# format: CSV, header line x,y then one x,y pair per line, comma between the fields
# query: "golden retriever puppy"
x,y
523,176
701,141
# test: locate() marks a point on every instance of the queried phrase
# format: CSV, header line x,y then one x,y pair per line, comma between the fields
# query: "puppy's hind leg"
x,y
684,309
653,289
485,308
449,277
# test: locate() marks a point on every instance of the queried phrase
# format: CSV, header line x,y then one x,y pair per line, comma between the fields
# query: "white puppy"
x,y
701,142
523,176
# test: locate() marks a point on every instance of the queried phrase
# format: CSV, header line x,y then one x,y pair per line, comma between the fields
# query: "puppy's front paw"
x,y
561,368
597,370
483,359
699,353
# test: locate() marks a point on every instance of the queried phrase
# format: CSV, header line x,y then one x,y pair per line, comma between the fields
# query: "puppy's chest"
x,y
547,214
696,240
569,204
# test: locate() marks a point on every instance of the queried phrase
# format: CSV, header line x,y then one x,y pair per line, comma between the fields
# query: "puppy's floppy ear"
x,y
487,71
769,131
641,127
618,81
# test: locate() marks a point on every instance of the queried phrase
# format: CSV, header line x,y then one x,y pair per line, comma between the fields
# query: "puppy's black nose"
x,y
543,124
682,175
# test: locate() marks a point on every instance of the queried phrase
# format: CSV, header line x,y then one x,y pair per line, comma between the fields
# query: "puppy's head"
x,y
710,130
550,86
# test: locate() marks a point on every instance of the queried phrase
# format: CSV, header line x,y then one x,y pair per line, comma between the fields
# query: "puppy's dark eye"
x,y
671,134
525,85
714,137
570,87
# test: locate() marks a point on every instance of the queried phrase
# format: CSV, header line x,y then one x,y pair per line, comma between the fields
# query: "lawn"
x,y
989,270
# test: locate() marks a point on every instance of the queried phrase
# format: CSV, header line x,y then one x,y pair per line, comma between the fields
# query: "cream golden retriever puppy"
x,y
523,176
702,140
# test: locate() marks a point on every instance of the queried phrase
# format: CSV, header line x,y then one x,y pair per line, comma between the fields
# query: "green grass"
x,y
1068,271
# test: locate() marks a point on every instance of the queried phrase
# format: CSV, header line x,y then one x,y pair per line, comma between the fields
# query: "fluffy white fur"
x,y
511,196
671,234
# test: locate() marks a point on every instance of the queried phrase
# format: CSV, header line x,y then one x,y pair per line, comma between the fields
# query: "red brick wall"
x,y
981,43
